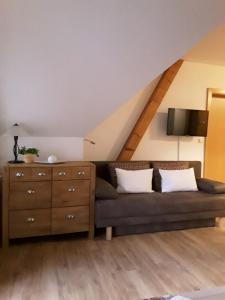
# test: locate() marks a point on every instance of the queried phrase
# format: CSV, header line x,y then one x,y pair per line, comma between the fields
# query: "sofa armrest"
x,y
210,186
104,190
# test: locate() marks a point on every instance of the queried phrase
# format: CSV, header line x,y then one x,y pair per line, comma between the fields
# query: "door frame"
x,y
211,93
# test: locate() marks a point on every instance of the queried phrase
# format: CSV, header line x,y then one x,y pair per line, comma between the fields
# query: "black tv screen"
x,y
189,122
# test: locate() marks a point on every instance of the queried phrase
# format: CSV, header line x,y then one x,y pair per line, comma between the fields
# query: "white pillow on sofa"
x,y
134,181
178,180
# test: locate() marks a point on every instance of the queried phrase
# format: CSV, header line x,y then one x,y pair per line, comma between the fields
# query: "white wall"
x,y
67,64
63,148
189,90
113,131
209,50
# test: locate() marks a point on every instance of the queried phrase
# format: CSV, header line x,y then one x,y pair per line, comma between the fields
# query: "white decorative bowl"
x,y
52,159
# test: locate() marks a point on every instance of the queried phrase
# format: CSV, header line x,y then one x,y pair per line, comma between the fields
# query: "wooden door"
x,y
215,141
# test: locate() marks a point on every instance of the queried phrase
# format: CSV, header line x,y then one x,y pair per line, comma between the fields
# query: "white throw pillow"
x,y
178,180
134,181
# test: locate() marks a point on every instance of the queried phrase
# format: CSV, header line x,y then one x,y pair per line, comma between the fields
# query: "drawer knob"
x,y
30,220
30,192
81,173
19,174
71,190
41,174
70,217
62,173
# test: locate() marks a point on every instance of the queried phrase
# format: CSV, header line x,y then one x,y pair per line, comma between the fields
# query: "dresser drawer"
x,y
27,223
70,193
70,219
30,174
65,173
29,195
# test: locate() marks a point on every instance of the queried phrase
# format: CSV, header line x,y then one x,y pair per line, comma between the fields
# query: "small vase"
x,y
29,158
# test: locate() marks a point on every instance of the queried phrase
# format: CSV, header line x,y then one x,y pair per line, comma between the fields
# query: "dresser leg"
x,y
5,243
220,222
91,234
108,233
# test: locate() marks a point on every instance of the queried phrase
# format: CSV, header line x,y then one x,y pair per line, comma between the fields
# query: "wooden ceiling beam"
x,y
149,111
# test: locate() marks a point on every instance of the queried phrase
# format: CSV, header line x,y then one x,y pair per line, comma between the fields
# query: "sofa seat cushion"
x,y
143,205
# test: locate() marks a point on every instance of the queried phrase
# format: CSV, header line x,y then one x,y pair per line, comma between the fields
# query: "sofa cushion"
x,y
156,204
164,165
104,190
134,181
211,186
126,165
178,180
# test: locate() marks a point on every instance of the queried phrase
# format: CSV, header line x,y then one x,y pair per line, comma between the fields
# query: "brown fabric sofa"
x,y
139,213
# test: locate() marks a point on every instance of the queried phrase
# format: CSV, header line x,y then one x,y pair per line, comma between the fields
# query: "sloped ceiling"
x,y
210,50
65,65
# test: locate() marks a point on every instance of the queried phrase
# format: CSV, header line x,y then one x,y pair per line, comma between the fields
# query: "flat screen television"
x,y
187,122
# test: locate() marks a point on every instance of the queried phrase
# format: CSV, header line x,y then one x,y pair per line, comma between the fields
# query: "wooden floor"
x,y
129,267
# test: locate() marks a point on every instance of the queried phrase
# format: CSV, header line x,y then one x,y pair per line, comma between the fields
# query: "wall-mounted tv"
x,y
191,122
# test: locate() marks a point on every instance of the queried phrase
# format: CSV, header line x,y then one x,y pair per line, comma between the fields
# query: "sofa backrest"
x,y
102,169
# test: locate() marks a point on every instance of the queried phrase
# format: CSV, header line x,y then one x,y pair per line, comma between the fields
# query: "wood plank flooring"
x,y
128,267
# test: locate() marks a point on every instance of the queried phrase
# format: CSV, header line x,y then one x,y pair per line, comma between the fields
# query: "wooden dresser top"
x,y
42,165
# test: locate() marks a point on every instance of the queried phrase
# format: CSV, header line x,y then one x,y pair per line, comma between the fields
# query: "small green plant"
x,y
23,150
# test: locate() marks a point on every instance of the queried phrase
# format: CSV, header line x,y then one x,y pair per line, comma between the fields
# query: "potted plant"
x,y
29,154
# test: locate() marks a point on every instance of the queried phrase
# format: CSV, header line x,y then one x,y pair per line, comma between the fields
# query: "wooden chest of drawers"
x,y
43,199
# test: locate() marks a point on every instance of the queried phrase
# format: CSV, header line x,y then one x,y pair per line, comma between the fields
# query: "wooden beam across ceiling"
x,y
149,111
